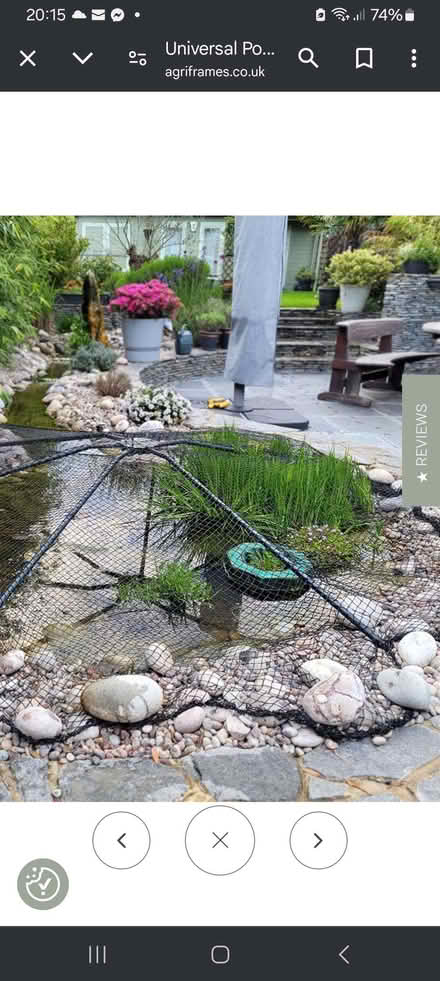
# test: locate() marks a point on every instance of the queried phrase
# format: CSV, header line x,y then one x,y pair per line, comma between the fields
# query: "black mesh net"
x,y
251,559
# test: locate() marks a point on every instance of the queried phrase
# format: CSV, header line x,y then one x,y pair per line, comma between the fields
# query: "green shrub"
x,y
94,355
104,268
332,548
362,267
305,273
79,334
174,585
65,322
423,249
255,481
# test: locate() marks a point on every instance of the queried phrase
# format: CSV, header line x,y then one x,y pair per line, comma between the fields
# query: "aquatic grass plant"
x,y
175,585
273,485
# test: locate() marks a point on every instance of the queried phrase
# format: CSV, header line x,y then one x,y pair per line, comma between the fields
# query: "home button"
x,y
220,955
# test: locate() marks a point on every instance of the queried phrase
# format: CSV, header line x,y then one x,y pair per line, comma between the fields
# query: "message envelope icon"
x,y
98,14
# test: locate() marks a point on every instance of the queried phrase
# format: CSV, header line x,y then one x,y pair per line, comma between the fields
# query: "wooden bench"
x,y
382,369
432,328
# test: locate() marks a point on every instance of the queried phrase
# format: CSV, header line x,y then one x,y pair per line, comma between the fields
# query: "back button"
x,y
121,840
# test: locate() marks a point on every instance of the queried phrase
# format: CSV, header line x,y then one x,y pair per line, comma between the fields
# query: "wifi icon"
x,y
341,13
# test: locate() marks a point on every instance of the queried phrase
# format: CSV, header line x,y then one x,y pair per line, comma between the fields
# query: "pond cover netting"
x,y
248,557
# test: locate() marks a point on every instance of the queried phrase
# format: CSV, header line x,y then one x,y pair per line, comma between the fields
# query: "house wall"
x,y
303,248
201,236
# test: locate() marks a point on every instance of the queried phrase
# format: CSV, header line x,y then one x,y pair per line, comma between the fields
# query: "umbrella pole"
x,y
238,403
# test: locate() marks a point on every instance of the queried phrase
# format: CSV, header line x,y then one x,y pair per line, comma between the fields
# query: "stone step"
x,y
286,364
313,347
302,330
305,346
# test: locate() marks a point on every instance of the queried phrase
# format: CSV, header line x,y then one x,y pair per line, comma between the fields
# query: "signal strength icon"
x,y
341,13
360,15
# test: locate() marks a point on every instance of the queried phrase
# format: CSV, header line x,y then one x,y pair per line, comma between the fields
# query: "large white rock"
x,y
122,426
322,668
380,476
159,658
190,721
417,647
336,701
37,722
106,402
11,662
122,698
405,687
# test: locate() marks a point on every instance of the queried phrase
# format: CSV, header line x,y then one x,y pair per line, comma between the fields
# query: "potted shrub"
x,y
328,296
420,257
356,272
304,279
145,308
210,324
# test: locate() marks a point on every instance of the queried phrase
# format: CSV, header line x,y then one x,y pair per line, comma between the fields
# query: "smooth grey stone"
x,y
121,780
319,789
408,748
230,774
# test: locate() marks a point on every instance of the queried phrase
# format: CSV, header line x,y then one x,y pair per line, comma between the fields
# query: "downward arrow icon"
x,y
82,61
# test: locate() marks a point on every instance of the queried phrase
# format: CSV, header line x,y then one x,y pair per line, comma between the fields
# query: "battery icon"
x,y
409,14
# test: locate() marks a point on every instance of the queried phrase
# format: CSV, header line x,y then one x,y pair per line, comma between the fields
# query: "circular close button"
x,y
220,840
121,840
318,840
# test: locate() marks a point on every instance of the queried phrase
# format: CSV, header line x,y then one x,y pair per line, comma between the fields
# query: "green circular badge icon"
x,y
43,884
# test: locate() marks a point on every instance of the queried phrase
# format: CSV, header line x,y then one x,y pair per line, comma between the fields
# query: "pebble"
x,y
37,722
417,647
235,728
307,738
92,732
379,740
122,698
336,701
11,662
380,476
405,687
4,755
158,658
322,668
189,721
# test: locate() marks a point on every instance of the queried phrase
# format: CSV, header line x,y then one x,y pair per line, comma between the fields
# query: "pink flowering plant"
x,y
146,301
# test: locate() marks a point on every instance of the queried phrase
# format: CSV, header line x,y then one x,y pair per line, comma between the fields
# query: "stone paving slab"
x,y
26,780
408,749
325,789
254,775
429,789
121,780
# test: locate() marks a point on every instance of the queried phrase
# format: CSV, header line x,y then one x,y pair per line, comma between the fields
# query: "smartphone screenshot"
x,y
219,491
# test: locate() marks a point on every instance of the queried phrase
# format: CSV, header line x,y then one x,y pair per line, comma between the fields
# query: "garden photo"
x,y
212,587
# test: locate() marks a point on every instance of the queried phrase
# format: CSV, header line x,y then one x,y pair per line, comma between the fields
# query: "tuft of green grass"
x,y
174,584
270,484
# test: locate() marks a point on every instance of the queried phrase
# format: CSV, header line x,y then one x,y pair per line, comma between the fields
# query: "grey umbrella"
x,y
259,265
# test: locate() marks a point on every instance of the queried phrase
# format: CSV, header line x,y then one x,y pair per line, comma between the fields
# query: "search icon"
x,y
307,57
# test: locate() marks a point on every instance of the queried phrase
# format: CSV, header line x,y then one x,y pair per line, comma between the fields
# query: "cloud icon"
x,y
78,15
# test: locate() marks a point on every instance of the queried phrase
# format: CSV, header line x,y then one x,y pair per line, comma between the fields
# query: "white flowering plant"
x,y
164,404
